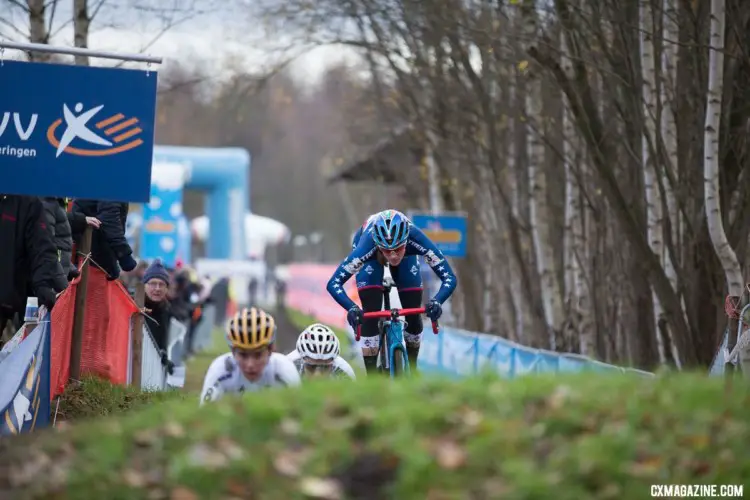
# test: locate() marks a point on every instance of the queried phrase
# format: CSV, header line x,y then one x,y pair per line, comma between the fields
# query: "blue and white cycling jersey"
x,y
366,251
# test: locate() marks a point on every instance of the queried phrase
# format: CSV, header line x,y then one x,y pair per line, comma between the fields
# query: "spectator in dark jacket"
x,y
156,281
28,258
108,244
62,237
78,222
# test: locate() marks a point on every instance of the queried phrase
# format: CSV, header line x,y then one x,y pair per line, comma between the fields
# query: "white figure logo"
x,y
76,128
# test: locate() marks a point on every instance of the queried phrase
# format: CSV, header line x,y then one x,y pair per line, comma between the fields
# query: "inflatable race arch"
x,y
224,175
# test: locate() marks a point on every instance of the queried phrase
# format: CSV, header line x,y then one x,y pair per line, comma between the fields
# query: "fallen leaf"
x,y
114,427
726,456
62,426
232,450
237,489
289,463
155,476
559,397
610,491
471,418
134,478
174,430
157,494
495,488
202,456
449,455
145,438
290,427
436,495
700,467
320,488
647,467
182,493
698,442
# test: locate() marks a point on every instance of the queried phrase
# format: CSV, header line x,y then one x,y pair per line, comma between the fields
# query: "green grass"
x,y
94,397
574,437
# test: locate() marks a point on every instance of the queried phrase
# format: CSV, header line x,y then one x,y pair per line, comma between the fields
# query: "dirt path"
x,y
287,332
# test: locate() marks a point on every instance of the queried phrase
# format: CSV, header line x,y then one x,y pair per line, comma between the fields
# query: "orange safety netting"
x,y
106,332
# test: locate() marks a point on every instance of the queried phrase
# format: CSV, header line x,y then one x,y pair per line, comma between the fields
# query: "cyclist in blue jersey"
x,y
389,237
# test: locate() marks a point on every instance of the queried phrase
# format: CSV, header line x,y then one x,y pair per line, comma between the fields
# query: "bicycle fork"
x,y
392,339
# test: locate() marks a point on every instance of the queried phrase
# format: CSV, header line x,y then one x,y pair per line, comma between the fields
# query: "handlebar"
x,y
395,313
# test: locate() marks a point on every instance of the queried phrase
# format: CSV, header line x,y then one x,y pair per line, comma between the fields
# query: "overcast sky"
x,y
209,38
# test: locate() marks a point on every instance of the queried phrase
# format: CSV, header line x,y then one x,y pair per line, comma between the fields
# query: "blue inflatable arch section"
x,y
224,175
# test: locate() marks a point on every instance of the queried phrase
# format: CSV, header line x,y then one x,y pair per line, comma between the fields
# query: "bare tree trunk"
x,y
576,289
714,217
539,216
523,310
654,212
81,25
724,251
38,32
669,174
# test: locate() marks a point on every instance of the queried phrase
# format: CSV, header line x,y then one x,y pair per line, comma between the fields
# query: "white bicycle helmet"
x,y
318,342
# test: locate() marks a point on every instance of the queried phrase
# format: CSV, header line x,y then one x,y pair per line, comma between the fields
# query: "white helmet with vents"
x,y
318,342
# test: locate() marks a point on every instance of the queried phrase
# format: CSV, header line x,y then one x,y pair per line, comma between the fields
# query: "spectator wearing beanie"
x,y
156,281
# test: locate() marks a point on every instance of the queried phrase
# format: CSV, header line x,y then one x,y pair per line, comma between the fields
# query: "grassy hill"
x,y
564,438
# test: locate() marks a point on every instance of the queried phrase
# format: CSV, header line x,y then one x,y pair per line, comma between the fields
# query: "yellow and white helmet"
x,y
251,328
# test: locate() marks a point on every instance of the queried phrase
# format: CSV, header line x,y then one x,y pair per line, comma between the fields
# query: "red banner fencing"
x,y
306,292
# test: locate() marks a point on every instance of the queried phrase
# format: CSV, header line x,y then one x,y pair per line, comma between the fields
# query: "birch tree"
x,y
39,30
81,27
539,216
711,145
714,217
576,289
654,214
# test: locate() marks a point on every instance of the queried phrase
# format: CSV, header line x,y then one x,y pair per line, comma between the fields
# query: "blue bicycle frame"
x,y
392,340
391,333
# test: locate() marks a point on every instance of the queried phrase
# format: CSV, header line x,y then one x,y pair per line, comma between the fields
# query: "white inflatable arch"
x,y
260,232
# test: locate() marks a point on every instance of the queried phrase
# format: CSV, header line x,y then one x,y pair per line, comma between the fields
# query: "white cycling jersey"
x,y
340,366
225,377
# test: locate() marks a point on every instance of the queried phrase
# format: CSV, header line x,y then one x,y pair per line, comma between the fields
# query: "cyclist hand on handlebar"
x,y
434,310
354,316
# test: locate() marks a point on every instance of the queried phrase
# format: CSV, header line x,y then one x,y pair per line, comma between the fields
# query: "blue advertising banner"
x,y
459,353
160,231
448,231
25,383
76,131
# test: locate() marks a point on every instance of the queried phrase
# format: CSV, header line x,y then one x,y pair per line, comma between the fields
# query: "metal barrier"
x,y
153,372
176,352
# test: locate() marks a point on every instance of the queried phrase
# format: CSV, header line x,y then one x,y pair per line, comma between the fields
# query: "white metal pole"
x,y
76,51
